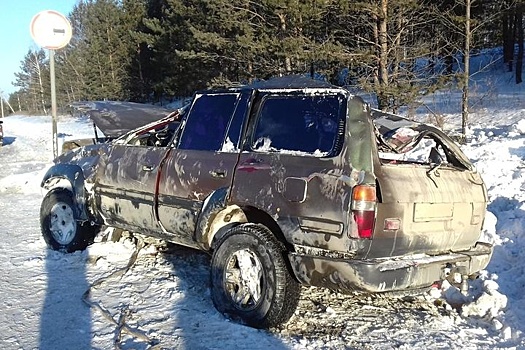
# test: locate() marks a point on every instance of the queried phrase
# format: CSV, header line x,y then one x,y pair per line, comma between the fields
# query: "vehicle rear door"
x,y
203,161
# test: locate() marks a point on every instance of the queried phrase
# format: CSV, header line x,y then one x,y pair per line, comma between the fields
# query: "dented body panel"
x,y
402,273
331,178
440,212
187,180
126,181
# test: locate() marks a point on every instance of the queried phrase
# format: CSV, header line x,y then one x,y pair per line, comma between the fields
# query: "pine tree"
x,y
150,50
388,41
97,63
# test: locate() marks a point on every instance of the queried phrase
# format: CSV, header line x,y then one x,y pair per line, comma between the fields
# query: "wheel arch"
x,y
68,177
257,216
217,218
234,215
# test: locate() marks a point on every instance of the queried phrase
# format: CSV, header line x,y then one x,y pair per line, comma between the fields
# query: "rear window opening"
x,y
427,151
402,141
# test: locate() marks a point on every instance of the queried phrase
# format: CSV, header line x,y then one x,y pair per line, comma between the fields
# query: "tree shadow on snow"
x,y
520,152
161,301
198,324
65,320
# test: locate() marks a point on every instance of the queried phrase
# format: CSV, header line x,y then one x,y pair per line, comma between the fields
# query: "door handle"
x,y
253,164
220,174
147,167
252,161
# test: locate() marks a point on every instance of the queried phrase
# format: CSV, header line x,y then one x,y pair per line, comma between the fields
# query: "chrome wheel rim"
x,y
244,278
62,224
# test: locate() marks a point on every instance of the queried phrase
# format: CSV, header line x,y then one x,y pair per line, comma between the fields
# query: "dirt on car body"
x,y
285,182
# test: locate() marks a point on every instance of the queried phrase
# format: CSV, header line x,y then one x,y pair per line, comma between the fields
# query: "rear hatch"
x,y
430,198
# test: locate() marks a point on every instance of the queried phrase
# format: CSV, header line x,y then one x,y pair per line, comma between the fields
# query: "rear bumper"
x,y
385,275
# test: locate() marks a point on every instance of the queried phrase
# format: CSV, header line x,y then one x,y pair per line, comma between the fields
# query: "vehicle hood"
x,y
115,118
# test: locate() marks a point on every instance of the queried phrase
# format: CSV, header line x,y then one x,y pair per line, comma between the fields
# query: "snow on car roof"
x,y
290,82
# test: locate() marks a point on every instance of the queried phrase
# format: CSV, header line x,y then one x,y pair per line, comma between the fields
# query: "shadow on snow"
x,y
65,321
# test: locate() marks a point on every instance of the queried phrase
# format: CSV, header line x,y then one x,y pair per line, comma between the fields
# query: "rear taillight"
x,y
364,209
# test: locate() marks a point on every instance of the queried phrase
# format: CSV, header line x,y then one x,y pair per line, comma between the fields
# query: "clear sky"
x,y
15,39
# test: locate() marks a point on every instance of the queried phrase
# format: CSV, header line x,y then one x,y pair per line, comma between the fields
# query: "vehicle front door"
x,y
127,177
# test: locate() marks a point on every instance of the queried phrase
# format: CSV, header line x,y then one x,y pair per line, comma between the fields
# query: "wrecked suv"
x,y
285,182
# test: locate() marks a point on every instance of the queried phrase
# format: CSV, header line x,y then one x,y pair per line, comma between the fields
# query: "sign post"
x,y
51,30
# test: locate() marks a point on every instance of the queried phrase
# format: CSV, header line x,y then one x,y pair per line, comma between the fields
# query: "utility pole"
x,y
53,101
2,99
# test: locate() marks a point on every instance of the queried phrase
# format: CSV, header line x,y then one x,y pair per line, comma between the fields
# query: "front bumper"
x,y
389,274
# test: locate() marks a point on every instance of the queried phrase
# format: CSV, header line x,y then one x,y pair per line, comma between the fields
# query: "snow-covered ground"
x,y
163,301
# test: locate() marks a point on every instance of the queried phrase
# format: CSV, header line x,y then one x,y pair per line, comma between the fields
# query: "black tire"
x,y
267,294
60,227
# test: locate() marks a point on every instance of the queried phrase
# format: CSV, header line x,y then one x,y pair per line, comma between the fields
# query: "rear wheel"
x,y
60,226
250,282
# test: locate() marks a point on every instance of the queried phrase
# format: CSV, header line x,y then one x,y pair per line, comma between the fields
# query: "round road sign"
x,y
50,29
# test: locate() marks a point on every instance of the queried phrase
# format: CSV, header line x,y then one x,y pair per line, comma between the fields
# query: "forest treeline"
x,y
157,50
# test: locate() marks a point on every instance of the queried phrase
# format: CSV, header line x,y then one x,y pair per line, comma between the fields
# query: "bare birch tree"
x,y
466,20
37,69
32,80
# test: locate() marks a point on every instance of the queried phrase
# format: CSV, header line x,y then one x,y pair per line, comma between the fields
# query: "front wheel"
x,y
60,226
250,282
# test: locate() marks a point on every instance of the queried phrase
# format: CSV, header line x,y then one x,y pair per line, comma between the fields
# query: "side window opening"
x,y
312,124
207,122
157,136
